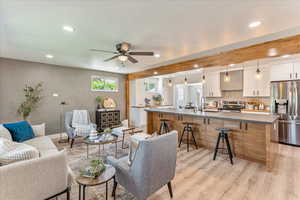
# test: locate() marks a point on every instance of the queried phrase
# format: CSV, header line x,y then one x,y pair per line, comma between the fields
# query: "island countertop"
x,y
245,117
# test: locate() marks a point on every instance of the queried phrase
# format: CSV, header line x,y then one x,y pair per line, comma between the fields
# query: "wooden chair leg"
x,y
72,142
170,189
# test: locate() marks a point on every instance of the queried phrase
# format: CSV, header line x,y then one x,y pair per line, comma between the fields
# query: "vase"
x,y
157,103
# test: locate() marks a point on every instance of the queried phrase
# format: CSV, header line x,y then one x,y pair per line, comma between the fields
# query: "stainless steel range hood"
x,y
235,83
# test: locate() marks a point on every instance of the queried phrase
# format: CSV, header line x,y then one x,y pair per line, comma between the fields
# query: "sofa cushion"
x,y
38,130
4,133
43,144
13,151
20,131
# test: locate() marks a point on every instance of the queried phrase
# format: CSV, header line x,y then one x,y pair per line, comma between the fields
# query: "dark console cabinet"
x,y
107,119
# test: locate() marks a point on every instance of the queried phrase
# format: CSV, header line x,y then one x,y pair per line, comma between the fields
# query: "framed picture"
x,y
104,84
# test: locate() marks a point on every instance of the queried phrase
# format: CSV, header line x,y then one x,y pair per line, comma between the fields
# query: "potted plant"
x,y
32,98
99,100
94,170
157,99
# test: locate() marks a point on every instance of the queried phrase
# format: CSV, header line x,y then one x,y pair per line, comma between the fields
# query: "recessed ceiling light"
x,y
196,65
254,24
272,52
68,28
49,56
156,55
285,56
155,72
231,65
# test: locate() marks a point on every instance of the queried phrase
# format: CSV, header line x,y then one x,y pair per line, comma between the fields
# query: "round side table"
x,y
105,177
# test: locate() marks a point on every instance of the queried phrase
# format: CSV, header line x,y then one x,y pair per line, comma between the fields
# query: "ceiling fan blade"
x,y
132,59
141,53
103,51
114,57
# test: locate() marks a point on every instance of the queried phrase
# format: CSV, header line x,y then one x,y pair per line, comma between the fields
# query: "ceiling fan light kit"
x,y
123,53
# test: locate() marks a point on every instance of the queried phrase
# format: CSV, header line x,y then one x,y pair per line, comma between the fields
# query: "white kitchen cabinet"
x,y
296,70
282,72
212,85
254,87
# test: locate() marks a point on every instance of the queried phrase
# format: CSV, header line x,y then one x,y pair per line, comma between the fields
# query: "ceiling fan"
x,y
123,53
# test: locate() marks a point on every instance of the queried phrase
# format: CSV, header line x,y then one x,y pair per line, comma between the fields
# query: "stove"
x,y
232,106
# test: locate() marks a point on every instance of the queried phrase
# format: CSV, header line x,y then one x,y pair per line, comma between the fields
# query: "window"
x,y
151,85
185,94
103,83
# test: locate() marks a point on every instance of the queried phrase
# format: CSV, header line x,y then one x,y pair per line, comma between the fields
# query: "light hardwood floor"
x,y
198,177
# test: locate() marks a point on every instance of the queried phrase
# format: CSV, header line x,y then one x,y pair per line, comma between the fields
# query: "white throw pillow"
x,y
13,151
38,130
5,133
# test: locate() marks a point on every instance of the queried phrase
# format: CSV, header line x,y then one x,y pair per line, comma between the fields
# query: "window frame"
x,y
93,77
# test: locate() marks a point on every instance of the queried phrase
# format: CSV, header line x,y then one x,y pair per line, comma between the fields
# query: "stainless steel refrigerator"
x,y
285,102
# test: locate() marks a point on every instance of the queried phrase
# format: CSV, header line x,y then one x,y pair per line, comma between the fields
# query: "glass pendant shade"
x,y
226,77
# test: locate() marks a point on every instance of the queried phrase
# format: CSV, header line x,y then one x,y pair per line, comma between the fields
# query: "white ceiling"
x,y
177,29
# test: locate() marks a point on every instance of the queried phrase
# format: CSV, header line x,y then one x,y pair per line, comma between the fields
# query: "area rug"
x,y
77,159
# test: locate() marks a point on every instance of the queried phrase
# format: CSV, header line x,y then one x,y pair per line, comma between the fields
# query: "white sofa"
x,y
37,179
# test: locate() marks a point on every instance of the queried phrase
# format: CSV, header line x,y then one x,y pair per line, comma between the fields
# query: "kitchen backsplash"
x,y
238,96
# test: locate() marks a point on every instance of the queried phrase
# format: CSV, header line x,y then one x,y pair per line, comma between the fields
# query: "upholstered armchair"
x,y
71,131
152,167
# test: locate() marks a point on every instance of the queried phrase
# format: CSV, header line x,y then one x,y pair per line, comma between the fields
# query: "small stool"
x,y
223,134
164,128
188,129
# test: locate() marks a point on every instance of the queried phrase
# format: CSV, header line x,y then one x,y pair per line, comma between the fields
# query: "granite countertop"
x,y
150,106
246,117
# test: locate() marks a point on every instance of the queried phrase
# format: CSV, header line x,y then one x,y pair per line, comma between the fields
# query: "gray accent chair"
x,y
153,166
69,129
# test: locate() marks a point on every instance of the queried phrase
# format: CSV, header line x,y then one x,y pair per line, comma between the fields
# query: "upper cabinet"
x,y
212,85
254,86
296,70
283,72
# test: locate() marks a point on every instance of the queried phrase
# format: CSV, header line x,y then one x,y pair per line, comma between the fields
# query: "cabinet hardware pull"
x,y
246,127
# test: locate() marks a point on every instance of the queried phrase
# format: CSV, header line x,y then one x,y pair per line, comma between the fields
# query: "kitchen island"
x,y
253,137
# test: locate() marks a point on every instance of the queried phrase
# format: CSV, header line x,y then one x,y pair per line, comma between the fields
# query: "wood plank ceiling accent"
x,y
289,45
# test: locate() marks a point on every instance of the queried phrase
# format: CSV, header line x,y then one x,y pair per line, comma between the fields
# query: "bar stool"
x,y
188,129
223,135
164,128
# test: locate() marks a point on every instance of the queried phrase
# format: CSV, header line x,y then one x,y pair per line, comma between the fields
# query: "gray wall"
x,y
72,85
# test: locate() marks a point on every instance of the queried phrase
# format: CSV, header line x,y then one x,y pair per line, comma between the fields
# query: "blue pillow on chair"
x,y
20,131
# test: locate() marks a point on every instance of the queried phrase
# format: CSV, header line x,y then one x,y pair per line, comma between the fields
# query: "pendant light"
x,y
203,78
170,83
227,77
185,81
258,72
